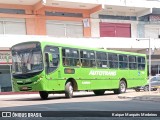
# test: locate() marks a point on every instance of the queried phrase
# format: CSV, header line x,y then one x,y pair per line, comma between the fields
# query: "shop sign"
x,y
154,18
5,57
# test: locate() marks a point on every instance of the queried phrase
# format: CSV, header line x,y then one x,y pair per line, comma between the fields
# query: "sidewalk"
x,y
142,95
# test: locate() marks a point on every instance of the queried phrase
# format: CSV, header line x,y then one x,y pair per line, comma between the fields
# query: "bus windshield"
x,y
27,58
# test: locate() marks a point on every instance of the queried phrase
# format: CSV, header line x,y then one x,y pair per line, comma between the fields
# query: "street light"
x,y
149,60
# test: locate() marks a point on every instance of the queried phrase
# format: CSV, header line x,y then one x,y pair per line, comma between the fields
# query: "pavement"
x,y
130,94
16,93
142,95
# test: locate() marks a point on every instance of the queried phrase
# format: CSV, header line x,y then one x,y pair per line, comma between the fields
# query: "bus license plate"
x,y
24,88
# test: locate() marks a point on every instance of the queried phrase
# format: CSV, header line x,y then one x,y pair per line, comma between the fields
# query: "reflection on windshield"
x,y
27,60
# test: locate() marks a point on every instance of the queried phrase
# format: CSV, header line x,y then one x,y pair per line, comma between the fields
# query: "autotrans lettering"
x,y
103,73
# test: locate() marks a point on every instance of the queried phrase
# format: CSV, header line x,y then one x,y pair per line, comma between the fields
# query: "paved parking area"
x,y
142,95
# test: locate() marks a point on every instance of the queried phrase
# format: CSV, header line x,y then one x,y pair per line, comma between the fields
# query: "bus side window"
x,y
102,59
141,63
70,56
87,58
51,58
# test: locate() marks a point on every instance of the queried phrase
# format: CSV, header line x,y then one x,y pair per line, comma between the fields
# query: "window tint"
x,y
113,60
70,57
155,78
141,63
132,62
123,58
51,65
87,58
101,59
158,78
132,59
123,61
141,60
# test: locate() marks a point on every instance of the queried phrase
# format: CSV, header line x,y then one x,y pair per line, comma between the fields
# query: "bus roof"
x,y
80,47
88,48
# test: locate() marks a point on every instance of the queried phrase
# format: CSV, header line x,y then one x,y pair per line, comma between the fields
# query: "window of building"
x,y
115,29
63,14
12,26
64,28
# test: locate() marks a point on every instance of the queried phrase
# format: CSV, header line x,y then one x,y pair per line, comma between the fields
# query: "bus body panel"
x,y
92,78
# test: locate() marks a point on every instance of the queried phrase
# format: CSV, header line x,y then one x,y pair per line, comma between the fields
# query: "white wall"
x,y
134,29
95,28
106,42
152,31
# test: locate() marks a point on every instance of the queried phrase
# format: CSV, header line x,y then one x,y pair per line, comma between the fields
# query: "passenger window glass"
x,y
123,61
133,62
141,63
158,78
101,59
70,57
87,58
51,65
113,60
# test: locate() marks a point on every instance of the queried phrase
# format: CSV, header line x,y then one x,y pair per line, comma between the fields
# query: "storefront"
x,y
64,28
12,26
5,70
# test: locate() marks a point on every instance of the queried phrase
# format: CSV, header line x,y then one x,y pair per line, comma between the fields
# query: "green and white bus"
x,y
49,67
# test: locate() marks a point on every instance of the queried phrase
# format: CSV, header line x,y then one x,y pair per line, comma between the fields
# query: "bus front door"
x,y
51,66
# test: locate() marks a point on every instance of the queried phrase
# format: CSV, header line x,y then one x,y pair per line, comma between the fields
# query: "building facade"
x,y
77,18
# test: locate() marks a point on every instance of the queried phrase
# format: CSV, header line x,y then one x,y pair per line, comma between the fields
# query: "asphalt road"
x,y
82,101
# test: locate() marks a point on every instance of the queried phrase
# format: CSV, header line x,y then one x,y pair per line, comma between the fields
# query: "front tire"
x,y
43,95
122,88
69,90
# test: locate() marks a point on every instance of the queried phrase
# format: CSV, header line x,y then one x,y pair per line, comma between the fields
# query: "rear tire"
x,y
137,90
99,92
154,89
122,88
43,95
69,90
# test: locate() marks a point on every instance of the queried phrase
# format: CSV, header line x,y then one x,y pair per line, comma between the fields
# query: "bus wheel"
x,y
122,88
99,92
69,90
43,95
137,90
154,89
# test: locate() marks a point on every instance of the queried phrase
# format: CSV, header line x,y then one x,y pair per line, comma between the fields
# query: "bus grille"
x,y
25,83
